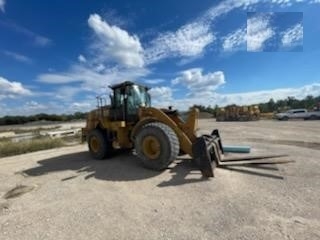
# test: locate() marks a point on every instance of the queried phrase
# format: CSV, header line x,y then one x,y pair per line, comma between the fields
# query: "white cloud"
x,y
248,4
58,78
50,107
225,7
246,98
197,82
34,106
154,81
37,39
90,79
236,40
188,41
66,93
113,17
115,44
288,3
18,57
100,67
264,96
12,89
82,59
293,36
161,96
28,108
82,106
41,41
2,3
192,39
116,56
259,31
164,92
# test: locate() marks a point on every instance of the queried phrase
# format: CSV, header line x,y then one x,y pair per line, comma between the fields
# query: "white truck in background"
x,y
300,113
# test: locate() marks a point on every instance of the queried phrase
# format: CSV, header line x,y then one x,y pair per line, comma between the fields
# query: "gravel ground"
x,y
64,194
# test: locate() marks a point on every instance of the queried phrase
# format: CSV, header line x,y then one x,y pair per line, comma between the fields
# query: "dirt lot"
x,y
70,196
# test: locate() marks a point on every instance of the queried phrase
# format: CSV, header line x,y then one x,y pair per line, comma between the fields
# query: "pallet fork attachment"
x,y
208,154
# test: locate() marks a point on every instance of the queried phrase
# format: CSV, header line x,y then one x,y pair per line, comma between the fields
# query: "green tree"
x,y
309,102
271,105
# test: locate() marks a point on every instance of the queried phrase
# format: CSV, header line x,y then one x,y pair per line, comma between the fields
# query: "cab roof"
x,y
127,83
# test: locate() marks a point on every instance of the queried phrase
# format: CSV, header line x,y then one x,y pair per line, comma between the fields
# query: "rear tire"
x,y
157,145
98,144
313,117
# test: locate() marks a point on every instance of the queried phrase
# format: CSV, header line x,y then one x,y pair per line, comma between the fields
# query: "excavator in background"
x,y
237,113
157,136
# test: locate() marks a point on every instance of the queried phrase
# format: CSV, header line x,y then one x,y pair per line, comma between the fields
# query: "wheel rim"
x,y
151,147
94,144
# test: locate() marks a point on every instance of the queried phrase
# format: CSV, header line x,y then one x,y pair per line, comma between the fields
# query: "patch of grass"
x,y
72,140
8,148
26,129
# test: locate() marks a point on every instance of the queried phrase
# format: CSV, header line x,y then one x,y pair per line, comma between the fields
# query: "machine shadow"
x,y
127,167
251,169
122,167
183,172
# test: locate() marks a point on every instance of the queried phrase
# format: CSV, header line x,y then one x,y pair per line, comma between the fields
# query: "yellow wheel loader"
x,y
236,113
156,135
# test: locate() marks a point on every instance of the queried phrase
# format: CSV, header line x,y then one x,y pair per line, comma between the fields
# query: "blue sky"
x,y
57,56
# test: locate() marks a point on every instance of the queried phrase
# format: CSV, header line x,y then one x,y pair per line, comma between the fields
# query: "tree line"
x,y
308,102
10,120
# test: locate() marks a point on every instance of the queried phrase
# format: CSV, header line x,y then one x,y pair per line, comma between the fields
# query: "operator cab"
x,y
126,100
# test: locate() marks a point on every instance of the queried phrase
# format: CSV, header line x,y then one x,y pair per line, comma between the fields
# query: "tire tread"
x,y
173,142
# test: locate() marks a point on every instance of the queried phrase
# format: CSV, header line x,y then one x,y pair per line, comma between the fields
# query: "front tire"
x,y
157,145
99,146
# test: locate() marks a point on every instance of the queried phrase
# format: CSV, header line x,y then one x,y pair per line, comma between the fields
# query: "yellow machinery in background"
x,y
236,113
156,135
